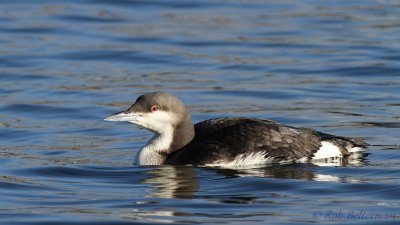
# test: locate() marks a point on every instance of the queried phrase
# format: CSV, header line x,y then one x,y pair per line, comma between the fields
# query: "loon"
x,y
225,142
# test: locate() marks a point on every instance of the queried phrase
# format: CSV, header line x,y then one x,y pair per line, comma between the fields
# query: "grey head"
x,y
162,114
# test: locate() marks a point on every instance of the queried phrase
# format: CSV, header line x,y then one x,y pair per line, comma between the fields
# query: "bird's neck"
x,y
183,135
156,151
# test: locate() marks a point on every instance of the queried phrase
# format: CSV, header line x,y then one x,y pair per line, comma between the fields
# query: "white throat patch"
x,y
154,152
161,123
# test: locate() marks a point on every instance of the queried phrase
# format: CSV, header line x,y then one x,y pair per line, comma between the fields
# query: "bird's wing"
x,y
277,141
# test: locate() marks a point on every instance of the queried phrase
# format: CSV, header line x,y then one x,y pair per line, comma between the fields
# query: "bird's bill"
x,y
123,116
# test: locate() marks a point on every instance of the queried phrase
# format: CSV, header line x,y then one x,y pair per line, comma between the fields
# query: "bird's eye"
x,y
154,108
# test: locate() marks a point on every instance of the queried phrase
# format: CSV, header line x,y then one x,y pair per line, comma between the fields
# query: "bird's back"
x,y
230,140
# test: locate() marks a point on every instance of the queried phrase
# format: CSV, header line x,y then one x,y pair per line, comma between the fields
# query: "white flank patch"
x,y
244,160
327,150
355,149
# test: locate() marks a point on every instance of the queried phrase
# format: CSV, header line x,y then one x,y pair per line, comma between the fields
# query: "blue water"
x,y
65,65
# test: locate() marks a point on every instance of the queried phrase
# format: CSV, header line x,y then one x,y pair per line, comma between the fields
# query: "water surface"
x,y
64,66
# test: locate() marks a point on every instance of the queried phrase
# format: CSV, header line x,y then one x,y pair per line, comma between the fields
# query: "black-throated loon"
x,y
224,141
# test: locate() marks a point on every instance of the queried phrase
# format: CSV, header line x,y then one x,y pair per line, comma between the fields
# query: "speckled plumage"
x,y
225,138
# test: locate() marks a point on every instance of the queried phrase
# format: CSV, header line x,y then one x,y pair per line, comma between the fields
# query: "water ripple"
x,y
327,65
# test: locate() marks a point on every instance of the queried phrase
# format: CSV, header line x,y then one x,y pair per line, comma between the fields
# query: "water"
x,y
65,65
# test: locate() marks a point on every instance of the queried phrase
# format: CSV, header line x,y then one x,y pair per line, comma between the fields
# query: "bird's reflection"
x,y
173,181
184,181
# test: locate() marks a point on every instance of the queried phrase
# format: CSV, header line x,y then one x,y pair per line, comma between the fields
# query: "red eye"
x,y
154,108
